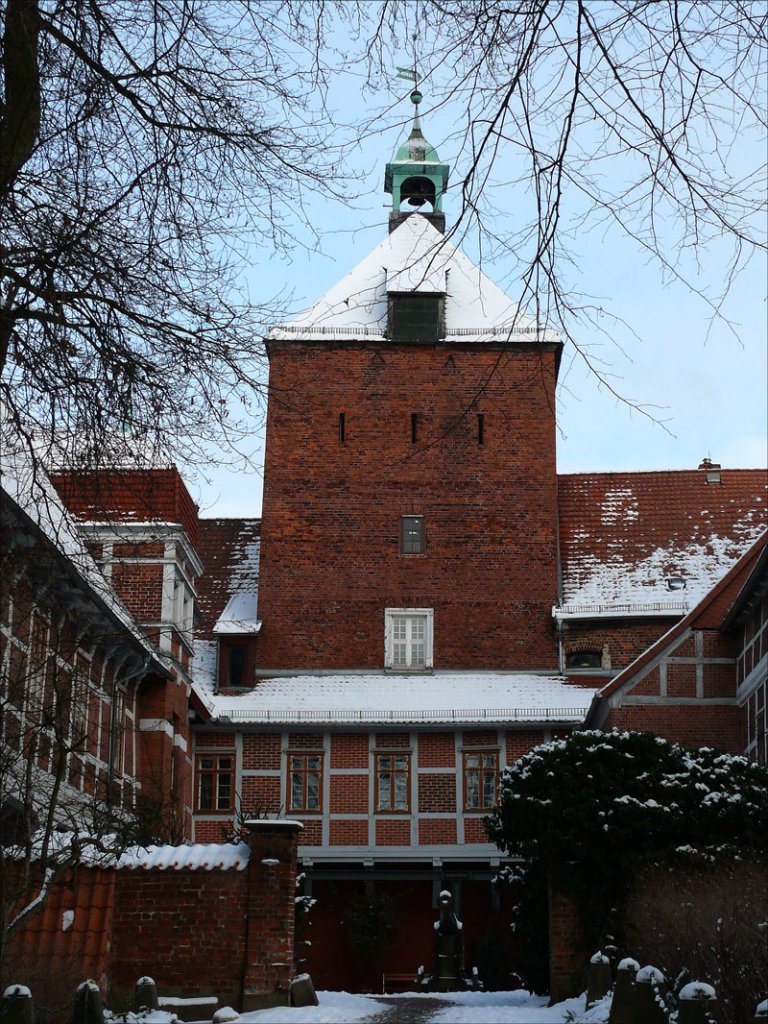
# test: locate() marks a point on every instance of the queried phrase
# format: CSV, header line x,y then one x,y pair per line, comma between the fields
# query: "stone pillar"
x,y
270,908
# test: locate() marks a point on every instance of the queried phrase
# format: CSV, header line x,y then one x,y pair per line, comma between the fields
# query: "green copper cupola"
x,y
415,178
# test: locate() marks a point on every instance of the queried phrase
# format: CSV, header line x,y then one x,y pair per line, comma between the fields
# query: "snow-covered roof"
x,y
415,257
441,697
238,617
28,486
649,544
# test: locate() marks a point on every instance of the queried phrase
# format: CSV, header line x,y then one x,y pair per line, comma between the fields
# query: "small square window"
x,y
412,535
415,317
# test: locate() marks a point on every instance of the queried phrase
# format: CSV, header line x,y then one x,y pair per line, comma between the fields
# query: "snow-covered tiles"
x,y
442,697
229,549
652,543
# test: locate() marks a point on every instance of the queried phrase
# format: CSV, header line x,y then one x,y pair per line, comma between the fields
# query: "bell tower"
x,y
416,178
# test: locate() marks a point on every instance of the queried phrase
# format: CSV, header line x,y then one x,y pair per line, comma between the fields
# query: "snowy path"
x,y
435,1008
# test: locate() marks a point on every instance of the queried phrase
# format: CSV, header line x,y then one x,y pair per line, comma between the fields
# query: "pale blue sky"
x,y
707,384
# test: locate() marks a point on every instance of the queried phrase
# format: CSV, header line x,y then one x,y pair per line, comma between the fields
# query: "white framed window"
x,y
408,639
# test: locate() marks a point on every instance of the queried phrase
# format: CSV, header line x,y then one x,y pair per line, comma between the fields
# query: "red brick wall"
x,y
349,750
140,587
139,495
437,831
474,832
437,750
393,832
185,929
691,725
330,559
349,833
349,794
437,793
262,751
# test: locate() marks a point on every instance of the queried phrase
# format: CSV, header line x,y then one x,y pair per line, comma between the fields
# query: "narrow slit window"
x,y
480,428
342,428
414,427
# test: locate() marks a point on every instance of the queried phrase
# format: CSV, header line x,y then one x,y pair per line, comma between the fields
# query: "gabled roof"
x,y
653,543
710,613
229,549
416,258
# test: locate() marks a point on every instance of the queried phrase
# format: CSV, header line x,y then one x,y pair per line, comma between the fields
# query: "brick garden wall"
x,y
224,932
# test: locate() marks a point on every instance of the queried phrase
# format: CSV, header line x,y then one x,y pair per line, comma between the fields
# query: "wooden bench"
x,y
404,982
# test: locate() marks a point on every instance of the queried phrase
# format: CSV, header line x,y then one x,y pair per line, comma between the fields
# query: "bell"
x,y
417,191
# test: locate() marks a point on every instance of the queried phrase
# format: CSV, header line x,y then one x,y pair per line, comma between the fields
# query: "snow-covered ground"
x,y
460,1008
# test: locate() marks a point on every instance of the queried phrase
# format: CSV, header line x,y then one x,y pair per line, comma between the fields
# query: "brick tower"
x,y
409,517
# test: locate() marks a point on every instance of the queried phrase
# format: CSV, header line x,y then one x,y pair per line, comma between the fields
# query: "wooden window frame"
x,y
393,772
479,752
216,772
304,771
405,543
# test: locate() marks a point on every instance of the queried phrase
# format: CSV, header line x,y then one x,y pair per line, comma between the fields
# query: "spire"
x,y
415,177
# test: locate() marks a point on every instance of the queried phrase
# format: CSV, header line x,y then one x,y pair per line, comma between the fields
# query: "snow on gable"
x,y
239,616
415,257
229,549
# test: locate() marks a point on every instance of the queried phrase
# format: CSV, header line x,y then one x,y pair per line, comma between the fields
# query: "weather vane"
x,y
412,75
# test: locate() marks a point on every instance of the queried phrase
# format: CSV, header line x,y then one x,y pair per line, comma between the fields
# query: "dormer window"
x,y
236,661
236,630
675,583
416,318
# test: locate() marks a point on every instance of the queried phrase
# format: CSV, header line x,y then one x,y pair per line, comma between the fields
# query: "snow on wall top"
x,y
377,697
415,257
198,856
229,549
653,543
28,485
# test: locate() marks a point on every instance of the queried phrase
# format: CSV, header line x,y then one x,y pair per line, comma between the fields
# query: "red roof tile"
x,y
624,535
